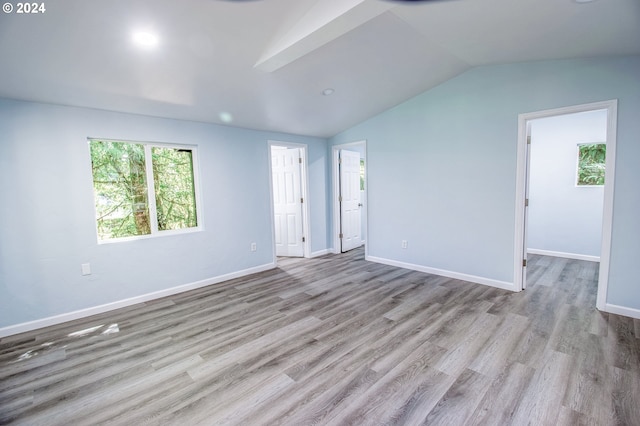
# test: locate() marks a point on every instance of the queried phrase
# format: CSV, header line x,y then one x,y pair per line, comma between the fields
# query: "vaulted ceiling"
x,y
263,64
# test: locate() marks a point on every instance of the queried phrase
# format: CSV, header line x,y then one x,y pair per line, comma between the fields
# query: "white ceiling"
x,y
266,62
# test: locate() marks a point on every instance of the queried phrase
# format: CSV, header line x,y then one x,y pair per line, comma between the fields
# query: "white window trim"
x,y
155,233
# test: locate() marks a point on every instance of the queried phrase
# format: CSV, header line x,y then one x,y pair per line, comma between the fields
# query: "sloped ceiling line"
x,y
324,22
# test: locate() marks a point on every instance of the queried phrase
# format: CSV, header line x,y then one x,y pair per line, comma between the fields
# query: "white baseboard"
x,y
449,274
320,253
622,310
82,313
565,255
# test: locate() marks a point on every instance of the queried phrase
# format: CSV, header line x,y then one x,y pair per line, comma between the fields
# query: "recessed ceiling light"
x,y
583,1
328,91
145,39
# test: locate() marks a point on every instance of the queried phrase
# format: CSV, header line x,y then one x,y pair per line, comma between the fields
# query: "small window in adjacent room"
x,y
591,161
361,174
142,188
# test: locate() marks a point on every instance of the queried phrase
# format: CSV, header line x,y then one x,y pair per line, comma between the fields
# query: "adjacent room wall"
x,y
47,216
564,218
442,167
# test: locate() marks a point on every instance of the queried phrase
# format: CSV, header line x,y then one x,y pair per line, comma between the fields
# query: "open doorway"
x,y
289,189
349,164
563,238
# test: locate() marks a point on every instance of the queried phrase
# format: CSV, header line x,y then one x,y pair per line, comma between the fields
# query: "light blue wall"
x,y
442,166
47,225
441,171
564,217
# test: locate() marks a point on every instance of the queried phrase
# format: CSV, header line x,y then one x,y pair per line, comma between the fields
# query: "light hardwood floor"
x,y
337,340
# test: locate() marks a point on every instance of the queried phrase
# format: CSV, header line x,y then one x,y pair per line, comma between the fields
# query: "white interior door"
x,y
287,201
350,200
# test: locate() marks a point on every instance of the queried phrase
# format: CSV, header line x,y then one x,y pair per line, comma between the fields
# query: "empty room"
x,y
334,212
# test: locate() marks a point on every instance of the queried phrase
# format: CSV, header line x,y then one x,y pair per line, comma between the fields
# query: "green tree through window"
x,y
591,164
122,189
174,188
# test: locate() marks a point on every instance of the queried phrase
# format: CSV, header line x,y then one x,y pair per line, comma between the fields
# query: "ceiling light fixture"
x,y
328,91
145,39
583,1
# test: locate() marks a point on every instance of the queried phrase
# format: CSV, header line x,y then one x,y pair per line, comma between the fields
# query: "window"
x,y
142,188
591,160
361,174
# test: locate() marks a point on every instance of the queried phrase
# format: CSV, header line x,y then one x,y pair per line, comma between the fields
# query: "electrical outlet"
x,y
86,268
254,247
405,244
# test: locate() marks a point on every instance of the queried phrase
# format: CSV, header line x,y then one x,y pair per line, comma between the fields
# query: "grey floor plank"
x,y
461,400
506,393
337,340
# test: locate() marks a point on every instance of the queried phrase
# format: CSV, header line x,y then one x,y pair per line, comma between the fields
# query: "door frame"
x,y
304,190
335,174
522,179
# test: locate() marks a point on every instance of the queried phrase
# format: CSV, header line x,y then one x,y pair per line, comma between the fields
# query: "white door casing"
x,y
522,193
350,204
287,201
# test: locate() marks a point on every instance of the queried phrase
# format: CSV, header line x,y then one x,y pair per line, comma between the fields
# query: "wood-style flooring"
x,y
337,340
